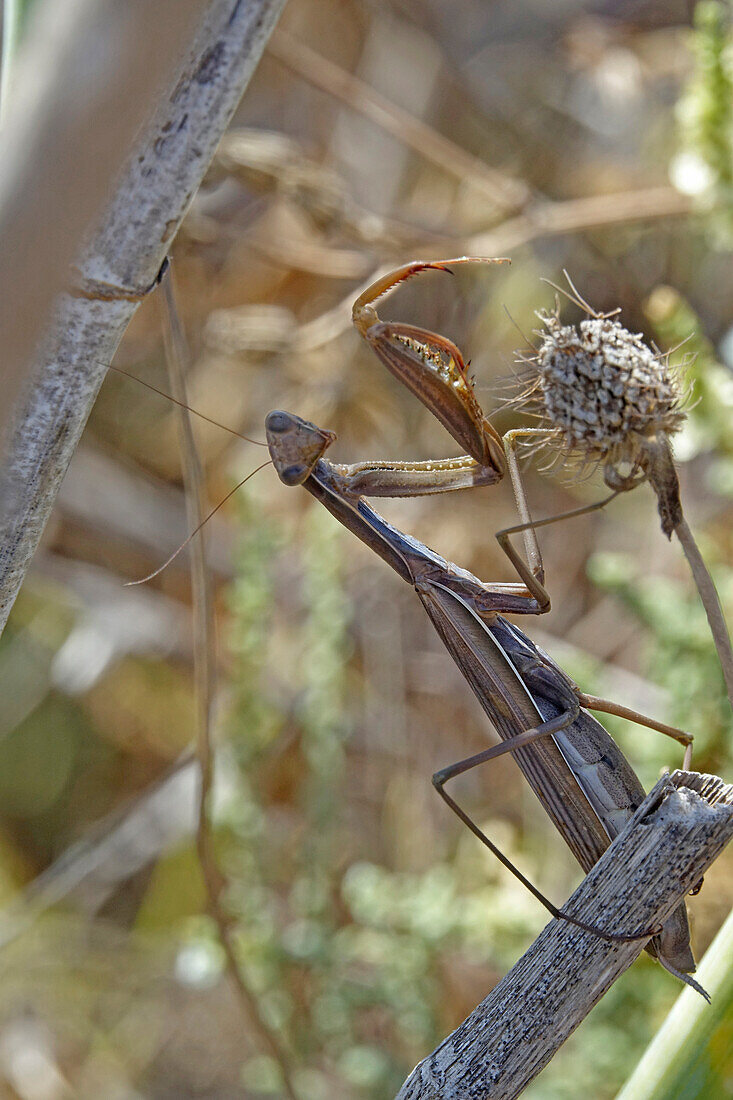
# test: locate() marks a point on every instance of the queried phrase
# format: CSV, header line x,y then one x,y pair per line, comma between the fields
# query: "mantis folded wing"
x,y
578,772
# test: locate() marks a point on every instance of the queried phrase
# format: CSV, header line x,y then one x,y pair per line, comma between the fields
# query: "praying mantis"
x,y
579,774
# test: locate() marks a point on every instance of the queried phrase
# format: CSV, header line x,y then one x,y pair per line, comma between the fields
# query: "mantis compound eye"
x,y
294,475
278,421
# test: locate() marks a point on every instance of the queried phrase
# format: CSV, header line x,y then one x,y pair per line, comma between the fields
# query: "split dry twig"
x,y
119,264
677,832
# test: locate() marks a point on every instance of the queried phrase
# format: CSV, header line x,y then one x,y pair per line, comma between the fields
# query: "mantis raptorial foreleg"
x,y
575,768
432,367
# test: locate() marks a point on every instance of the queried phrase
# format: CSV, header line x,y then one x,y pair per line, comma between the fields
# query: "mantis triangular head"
x,y
295,445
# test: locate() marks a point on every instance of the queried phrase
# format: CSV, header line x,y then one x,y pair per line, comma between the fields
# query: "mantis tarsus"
x,y
576,769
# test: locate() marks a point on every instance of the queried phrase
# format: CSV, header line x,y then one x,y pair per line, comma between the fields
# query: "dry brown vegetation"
x,y
365,923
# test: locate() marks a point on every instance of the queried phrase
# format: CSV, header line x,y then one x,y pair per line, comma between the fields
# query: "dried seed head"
x,y
603,396
604,390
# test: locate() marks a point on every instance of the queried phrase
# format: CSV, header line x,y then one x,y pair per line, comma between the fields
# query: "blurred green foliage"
x,y
679,650
709,425
706,113
690,1055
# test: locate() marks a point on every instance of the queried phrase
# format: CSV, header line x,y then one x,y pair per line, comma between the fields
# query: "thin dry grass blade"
x,y
205,678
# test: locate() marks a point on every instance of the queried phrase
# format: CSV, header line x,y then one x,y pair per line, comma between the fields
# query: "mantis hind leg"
x,y
606,706
441,777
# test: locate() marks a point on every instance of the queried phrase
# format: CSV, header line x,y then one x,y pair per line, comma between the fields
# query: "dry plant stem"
x,y
625,418
711,602
552,219
204,645
119,264
61,108
11,37
677,832
501,190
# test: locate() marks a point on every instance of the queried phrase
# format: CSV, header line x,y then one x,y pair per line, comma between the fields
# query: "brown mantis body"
x,y
578,772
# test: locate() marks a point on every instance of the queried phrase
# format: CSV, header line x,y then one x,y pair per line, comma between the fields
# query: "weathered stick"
x,y
119,264
677,832
68,123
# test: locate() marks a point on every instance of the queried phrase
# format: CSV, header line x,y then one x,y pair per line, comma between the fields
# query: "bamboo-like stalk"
x,y
680,828
118,265
685,1033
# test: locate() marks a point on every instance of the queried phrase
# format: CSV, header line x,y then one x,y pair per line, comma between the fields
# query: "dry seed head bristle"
x,y
600,392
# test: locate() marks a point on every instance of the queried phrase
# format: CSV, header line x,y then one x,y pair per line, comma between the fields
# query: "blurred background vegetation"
x,y
366,923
